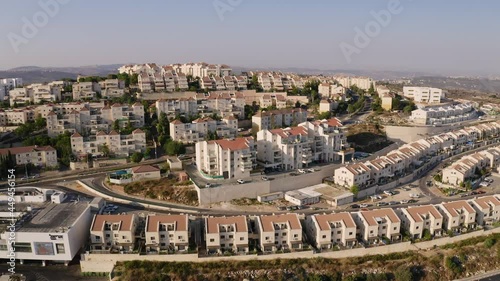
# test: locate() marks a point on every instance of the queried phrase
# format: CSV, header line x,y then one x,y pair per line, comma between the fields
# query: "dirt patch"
x,y
165,190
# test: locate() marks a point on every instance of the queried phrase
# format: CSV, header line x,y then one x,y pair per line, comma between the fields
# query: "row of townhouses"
x,y
276,81
410,156
468,166
116,144
443,114
287,149
160,233
363,83
201,128
201,69
89,118
230,83
159,82
424,94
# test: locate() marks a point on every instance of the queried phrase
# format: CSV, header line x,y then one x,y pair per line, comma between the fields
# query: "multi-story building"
x,y
279,232
265,81
226,233
8,84
423,94
443,114
457,215
356,174
463,169
328,230
113,233
85,90
417,219
201,128
119,145
487,210
184,107
228,158
53,228
42,156
145,82
328,90
375,225
223,104
19,116
167,233
280,118
363,83
240,82
89,118
112,88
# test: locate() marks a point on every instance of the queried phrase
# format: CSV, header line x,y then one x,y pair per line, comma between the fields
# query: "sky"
x,y
436,36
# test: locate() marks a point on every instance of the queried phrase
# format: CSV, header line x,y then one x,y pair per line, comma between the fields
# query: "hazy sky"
x,y
451,37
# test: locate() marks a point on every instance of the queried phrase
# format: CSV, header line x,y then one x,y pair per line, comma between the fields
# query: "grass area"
x,y
164,189
445,263
367,137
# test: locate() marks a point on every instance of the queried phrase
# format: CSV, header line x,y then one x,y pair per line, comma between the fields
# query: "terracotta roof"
x,y
370,216
292,131
418,212
180,222
344,217
267,222
76,135
213,223
116,105
230,117
100,133
452,207
84,109
125,221
113,133
51,113
487,201
144,169
138,131
25,149
176,122
236,144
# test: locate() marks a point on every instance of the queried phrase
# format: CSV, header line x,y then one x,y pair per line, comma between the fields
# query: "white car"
x,y
208,185
387,192
311,170
404,202
264,178
240,181
484,184
302,171
414,195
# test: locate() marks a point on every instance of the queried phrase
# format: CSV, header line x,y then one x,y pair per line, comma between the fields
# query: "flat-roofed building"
x,y
113,233
374,225
423,94
328,230
167,233
226,233
278,118
417,219
279,232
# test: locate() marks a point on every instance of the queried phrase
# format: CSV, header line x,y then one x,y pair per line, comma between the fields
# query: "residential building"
x,y
145,83
443,114
356,174
487,209
279,232
363,83
116,144
417,219
227,158
386,101
462,170
382,90
201,128
41,156
112,88
114,233
8,84
458,215
226,234
12,117
184,106
167,233
327,90
378,224
89,118
145,172
53,229
327,105
328,230
423,94
85,90
273,119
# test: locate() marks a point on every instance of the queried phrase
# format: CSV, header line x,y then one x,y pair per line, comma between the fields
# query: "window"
x,y
350,233
324,236
295,235
395,228
241,238
230,236
417,227
222,237
152,238
97,238
211,240
162,236
107,235
179,237
60,248
23,247
338,232
371,231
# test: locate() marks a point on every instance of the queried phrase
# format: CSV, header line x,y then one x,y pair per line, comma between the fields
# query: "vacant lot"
x,y
367,137
164,189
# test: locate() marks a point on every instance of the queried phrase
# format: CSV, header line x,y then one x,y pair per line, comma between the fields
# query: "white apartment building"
x,y
417,219
202,69
113,233
273,119
279,232
327,90
8,84
224,104
226,233
328,230
112,88
41,156
51,230
443,114
373,225
89,118
167,233
85,90
457,215
363,83
199,129
423,94
487,209
327,105
145,83
19,116
382,90
463,169
172,107
119,145
265,81
227,158
350,175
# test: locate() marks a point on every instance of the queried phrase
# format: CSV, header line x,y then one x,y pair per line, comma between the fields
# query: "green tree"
x,y
403,273
116,125
136,157
105,150
350,109
355,189
174,148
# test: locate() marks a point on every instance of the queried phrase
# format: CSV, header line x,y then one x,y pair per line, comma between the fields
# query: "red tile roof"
x,y
25,149
144,169
180,222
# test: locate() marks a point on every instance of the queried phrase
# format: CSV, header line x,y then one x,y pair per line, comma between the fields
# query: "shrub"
x,y
489,242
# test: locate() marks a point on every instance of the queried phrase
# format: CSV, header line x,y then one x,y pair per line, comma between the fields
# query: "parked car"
x,y
302,171
488,180
240,181
404,201
484,184
379,204
481,192
414,195
264,178
311,170
364,205
393,203
354,206
388,192
208,185
281,208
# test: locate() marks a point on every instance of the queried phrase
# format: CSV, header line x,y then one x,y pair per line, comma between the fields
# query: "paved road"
x,y
493,275
36,272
